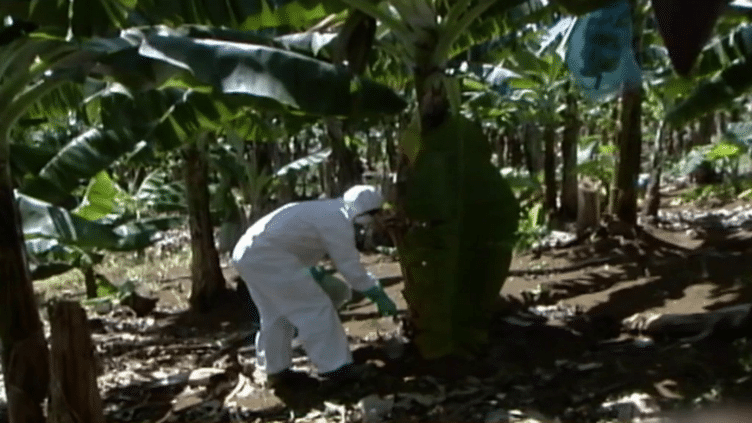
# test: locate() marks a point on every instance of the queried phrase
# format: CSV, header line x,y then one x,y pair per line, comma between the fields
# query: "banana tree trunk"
x,y
653,200
531,138
459,219
624,196
74,396
549,168
392,157
90,281
569,143
24,348
208,283
516,155
707,129
346,161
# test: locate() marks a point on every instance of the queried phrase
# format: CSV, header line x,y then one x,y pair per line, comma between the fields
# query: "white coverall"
x,y
273,258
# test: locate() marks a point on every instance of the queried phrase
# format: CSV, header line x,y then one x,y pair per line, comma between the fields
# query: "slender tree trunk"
x,y
630,139
569,141
517,155
630,149
372,151
346,160
392,155
653,200
74,396
206,275
90,281
549,168
531,143
24,348
707,129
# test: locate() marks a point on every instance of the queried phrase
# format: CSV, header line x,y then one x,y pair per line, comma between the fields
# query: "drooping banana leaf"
x,y
313,42
724,50
243,73
160,193
305,162
499,27
30,159
82,158
496,78
43,220
714,93
459,247
48,257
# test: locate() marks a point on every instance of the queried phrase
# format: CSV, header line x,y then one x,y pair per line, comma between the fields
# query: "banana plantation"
x,y
566,186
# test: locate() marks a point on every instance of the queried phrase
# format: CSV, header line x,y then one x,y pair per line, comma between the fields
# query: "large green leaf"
x,y
724,50
714,93
243,14
259,75
29,159
313,42
82,158
97,17
459,248
305,162
160,193
43,220
103,198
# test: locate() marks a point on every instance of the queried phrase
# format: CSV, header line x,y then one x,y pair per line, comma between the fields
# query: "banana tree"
x,y
456,246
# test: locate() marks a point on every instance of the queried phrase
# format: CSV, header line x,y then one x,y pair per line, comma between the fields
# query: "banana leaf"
x,y
158,192
45,221
305,162
713,93
724,50
29,159
103,197
244,14
82,158
459,247
265,76
98,17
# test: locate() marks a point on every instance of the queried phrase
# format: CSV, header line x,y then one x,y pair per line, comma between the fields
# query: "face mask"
x,y
364,219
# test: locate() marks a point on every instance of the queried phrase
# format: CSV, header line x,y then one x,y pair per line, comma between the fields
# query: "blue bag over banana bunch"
x,y
339,291
599,53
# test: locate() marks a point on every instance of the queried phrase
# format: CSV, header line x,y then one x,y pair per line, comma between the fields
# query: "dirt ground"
x,y
559,349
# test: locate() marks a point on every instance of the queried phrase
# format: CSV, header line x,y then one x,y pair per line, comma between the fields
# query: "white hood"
x,y
361,199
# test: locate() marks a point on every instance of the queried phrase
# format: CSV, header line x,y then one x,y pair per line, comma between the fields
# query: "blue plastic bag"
x,y
599,52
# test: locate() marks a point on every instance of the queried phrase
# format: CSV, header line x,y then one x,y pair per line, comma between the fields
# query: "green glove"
x,y
318,273
383,302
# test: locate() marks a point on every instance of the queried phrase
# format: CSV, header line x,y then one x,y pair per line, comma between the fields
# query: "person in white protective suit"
x,y
274,257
